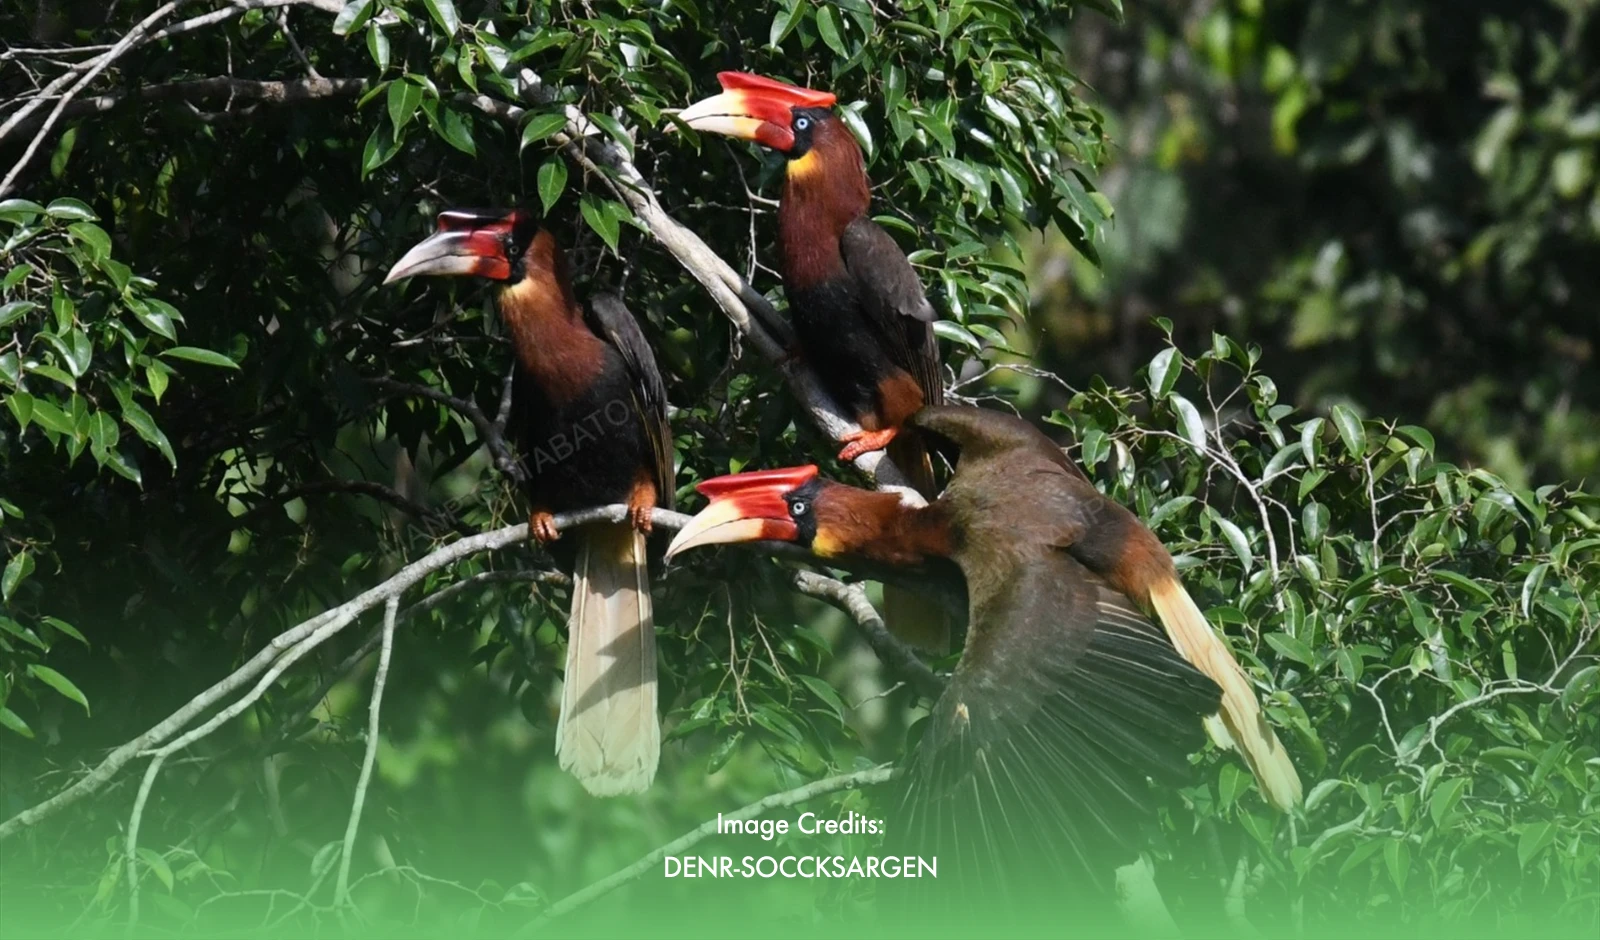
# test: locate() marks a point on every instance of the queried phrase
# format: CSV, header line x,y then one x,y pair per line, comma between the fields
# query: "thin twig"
x,y
99,65
341,894
134,822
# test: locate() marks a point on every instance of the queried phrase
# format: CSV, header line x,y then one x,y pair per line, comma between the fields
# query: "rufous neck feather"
x,y
879,526
825,190
548,333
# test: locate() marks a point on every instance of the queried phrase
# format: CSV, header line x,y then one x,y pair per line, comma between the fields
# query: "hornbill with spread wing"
x,y
589,412
859,311
1066,697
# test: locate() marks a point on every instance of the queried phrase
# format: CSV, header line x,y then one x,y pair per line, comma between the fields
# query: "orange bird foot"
x,y
640,517
543,527
865,442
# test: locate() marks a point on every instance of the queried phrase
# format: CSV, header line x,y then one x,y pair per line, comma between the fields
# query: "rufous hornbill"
x,y
862,319
1059,658
589,413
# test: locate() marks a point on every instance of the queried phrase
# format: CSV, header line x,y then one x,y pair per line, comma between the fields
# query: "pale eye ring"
x,y
802,123
798,508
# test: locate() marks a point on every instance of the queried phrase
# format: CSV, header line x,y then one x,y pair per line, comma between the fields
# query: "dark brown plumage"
x,y
590,419
860,314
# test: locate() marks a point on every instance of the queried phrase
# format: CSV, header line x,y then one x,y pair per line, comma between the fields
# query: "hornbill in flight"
x,y
589,412
859,311
1066,697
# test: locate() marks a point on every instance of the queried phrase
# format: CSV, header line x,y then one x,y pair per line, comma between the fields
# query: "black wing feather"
x,y
611,321
893,298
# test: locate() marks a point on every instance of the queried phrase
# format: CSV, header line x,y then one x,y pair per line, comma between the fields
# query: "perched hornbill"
x,y
1065,697
590,417
863,321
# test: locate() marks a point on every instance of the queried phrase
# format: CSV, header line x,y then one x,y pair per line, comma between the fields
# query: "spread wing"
x,y
1033,777
611,321
895,302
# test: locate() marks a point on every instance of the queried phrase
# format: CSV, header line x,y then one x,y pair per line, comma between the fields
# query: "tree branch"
x,y
492,433
851,599
164,738
861,778
341,895
206,89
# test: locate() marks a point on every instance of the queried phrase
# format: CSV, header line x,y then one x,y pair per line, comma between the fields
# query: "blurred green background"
x,y
1311,284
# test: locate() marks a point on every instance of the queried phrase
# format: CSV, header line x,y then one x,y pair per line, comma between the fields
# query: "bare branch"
x,y
290,646
492,433
95,67
133,840
341,895
223,87
851,599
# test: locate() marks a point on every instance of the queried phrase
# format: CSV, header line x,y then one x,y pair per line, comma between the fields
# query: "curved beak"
x,y
466,243
753,107
745,507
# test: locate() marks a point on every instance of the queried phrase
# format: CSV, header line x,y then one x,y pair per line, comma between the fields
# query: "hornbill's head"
x,y
827,518
777,505
785,117
489,243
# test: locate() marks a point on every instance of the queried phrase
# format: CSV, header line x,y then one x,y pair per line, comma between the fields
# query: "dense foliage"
x,y
1397,199
191,298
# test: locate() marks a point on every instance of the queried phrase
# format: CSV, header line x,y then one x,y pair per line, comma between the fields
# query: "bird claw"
x,y
865,442
542,525
640,517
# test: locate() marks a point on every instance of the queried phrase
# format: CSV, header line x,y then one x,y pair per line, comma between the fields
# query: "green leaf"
x,y
1397,859
22,633
828,29
1445,797
444,13
196,354
403,101
157,865
60,683
1190,425
12,720
1163,373
354,15
1237,541
1359,854
552,182
15,310
1291,648
377,46
1231,781
66,628
47,415
94,236
1534,838
16,571
784,23
542,126
603,222
21,211
21,405
1351,430
826,692
955,332
971,180
72,210
134,416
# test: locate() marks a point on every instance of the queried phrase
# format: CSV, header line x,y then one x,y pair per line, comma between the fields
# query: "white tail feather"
x,y
608,735
1242,725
